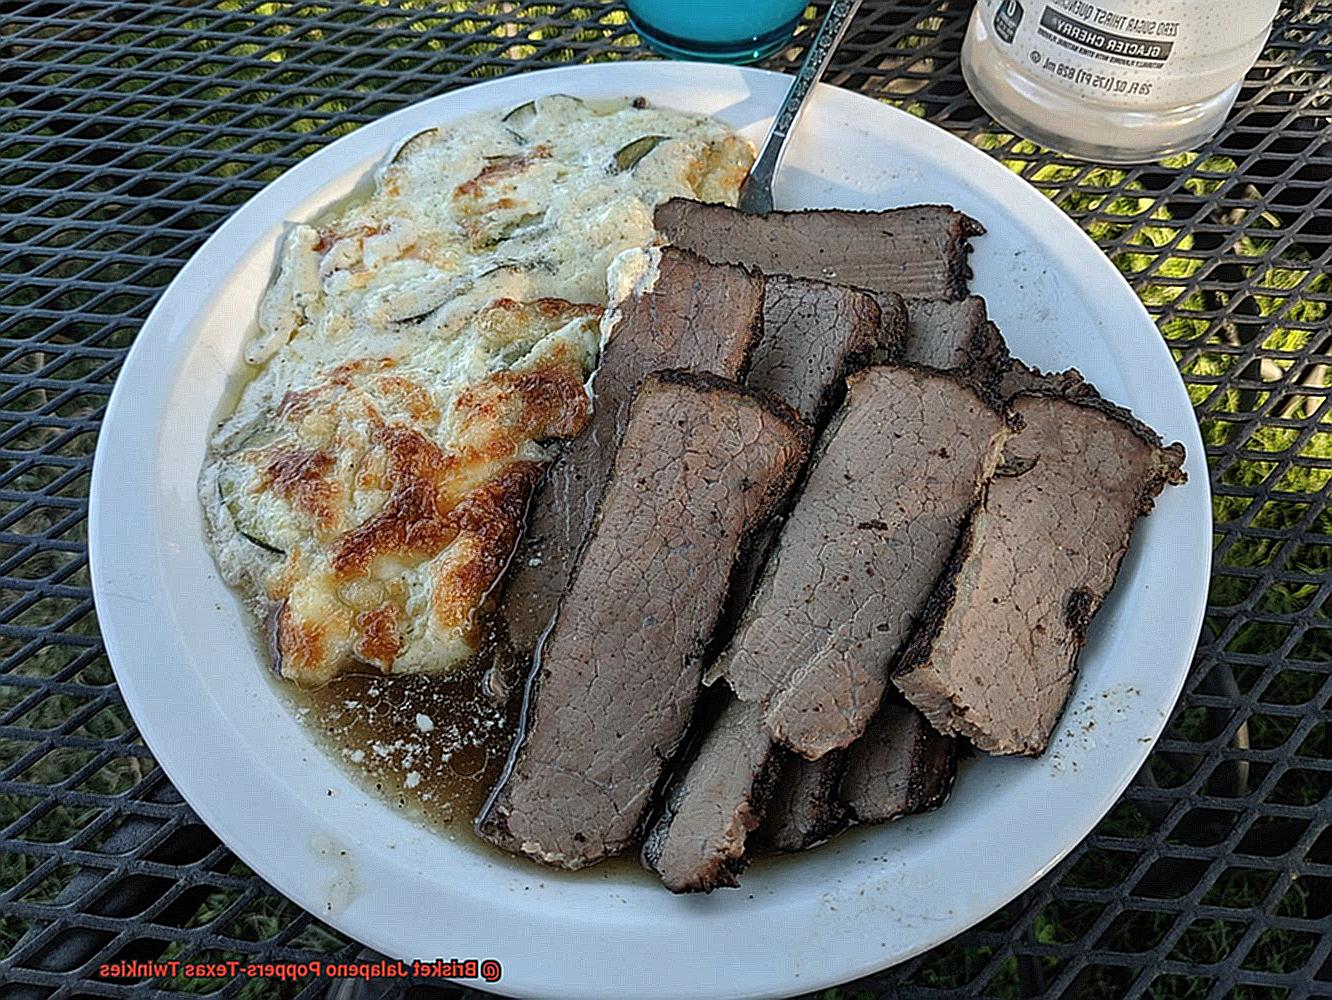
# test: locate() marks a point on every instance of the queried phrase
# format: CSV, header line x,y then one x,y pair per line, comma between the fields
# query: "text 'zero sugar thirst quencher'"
x,y
1115,81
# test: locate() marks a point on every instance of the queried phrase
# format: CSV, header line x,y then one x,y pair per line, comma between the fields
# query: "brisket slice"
x,y
954,336
804,809
879,512
900,766
701,463
696,315
919,251
814,334
698,841
995,657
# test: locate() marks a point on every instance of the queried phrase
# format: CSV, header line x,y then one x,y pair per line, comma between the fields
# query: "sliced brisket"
x,y
685,313
900,766
995,657
879,512
698,841
953,336
814,334
702,462
920,250
804,809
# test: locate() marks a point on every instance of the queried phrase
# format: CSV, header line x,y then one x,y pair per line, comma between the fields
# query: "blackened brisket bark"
x,y
805,809
1018,379
900,766
879,512
919,251
995,657
954,336
698,841
701,463
815,333
687,313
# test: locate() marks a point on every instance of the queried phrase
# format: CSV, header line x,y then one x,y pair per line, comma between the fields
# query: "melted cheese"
x,y
415,357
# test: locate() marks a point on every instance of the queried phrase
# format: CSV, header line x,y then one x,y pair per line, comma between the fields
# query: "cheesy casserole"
x,y
417,356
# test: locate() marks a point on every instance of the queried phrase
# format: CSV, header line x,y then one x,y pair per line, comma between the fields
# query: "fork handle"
x,y
756,191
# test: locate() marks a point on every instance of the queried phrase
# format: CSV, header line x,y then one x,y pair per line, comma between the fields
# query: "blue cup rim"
x,y
749,48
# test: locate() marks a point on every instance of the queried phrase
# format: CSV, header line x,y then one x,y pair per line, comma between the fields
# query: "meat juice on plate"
x,y
432,744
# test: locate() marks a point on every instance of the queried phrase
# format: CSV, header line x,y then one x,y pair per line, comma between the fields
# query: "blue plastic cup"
x,y
733,31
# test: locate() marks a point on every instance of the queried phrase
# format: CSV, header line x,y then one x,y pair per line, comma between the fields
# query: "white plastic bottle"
x,y
1114,81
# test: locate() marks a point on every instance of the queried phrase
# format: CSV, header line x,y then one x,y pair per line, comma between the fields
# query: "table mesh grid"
x,y
129,130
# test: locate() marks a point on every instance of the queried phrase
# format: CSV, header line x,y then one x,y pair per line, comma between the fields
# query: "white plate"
x,y
178,641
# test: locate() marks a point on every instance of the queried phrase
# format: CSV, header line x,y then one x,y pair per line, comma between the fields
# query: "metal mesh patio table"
x,y
130,129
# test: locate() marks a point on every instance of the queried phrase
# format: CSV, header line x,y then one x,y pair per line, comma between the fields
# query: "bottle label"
x,y
1007,19
1132,53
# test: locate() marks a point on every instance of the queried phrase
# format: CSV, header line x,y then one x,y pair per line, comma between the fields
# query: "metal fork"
x,y
756,190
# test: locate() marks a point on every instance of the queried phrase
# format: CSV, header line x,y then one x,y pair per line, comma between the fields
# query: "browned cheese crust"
x,y
466,501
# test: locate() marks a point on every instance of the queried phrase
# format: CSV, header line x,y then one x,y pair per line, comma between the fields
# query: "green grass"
x,y
240,55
